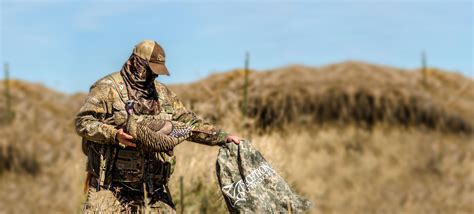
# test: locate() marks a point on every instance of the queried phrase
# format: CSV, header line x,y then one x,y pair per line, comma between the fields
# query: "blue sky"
x,y
67,45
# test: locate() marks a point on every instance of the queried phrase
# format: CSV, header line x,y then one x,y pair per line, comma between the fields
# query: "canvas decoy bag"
x,y
250,184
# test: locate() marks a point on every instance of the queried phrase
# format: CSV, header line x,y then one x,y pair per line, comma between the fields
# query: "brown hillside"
x,y
364,139
355,92
40,151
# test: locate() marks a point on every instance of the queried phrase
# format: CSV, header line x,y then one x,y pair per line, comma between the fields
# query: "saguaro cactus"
x,y
181,194
8,113
245,119
246,85
424,70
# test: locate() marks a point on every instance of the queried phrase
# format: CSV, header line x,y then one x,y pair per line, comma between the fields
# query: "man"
x,y
122,177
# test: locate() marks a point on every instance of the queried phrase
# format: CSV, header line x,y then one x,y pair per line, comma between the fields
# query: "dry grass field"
x,y
351,137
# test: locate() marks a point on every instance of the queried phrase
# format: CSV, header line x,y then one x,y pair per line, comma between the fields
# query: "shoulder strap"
x,y
119,86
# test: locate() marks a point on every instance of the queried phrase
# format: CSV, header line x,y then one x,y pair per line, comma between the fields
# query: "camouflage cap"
x,y
154,53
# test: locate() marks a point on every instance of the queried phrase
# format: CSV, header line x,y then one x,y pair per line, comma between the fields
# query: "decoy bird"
x,y
153,133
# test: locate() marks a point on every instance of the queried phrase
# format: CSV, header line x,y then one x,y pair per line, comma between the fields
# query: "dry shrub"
x,y
12,160
313,126
349,169
41,159
351,92
360,107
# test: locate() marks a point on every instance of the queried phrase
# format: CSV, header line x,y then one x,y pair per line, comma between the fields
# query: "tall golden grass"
x,y
350,92
352,137
351,170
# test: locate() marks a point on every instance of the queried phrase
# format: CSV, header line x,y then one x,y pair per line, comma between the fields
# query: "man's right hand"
x,y
124,139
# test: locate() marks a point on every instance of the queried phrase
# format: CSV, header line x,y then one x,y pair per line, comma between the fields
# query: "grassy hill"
x,y
355,92
352,137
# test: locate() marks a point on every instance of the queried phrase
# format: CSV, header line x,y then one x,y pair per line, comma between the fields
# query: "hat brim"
x,y
159,69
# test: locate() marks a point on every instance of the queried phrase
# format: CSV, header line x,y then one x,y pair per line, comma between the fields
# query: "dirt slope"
x,y
352,137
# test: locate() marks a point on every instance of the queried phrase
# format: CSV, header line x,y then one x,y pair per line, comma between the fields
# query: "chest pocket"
x,y
167,110
118,113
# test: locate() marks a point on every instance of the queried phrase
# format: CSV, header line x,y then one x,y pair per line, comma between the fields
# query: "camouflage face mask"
x,y
150,76
139,80
143,72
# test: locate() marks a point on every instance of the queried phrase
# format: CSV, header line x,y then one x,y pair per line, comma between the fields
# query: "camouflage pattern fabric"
x,y
104,111
157,135
98,121
250,184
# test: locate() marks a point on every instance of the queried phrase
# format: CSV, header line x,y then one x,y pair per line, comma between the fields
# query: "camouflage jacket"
x,y
104,110
103,113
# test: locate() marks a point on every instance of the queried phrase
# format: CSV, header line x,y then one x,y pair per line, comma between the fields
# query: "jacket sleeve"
x,y
203,132
89,122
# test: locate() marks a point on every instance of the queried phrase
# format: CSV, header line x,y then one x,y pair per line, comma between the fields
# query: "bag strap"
x,y
119,86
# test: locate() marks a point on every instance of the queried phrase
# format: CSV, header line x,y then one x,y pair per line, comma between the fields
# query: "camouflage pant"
x,y
115,201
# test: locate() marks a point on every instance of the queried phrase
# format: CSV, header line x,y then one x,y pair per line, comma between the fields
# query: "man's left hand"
x,y
233,139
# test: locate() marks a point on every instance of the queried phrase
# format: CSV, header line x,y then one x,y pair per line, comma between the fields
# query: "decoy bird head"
x,y
129,107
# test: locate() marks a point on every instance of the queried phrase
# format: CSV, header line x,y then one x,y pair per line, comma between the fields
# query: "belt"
x,y
153,186
160,191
